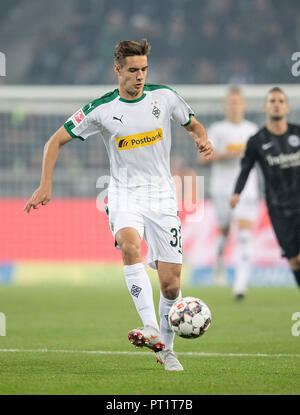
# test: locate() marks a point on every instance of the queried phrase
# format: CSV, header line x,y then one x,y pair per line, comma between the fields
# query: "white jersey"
x,y
137,135
225,135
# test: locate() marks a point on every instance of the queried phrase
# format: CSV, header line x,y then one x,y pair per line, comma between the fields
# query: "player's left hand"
x,y
235,198
205,149
41,196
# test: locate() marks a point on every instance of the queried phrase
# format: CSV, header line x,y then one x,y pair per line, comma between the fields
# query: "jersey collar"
x,y
132,101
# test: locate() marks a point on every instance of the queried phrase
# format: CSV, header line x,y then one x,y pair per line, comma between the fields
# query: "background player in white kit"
x,y
229,139
134,122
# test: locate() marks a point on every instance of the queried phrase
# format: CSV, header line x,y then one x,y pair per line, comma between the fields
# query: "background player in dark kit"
x,y
276,147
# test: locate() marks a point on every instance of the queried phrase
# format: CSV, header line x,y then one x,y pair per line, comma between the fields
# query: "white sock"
x,y
140,288
221,246
166,333
243,265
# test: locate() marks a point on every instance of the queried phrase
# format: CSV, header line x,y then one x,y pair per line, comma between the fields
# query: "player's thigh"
x,y
163,238
127,229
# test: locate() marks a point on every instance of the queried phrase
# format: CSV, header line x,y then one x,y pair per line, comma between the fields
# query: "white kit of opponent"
x,y
230,138
225,135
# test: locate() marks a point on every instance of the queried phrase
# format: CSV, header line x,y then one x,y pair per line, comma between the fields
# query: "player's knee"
x,y
225,230
130,251
295,263
170,290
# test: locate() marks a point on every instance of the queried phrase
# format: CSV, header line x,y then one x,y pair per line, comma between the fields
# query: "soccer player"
x,y
276,148
229,138
134,122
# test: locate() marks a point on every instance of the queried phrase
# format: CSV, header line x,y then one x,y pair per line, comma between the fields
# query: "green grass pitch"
x,y
249,348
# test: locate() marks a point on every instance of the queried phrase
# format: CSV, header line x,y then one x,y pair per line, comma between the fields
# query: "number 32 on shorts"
x,y
176,240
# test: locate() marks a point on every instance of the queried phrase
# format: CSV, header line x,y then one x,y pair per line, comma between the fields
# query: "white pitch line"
x,y
199,354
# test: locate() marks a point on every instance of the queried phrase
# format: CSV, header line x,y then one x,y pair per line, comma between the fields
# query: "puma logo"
x,y
118,119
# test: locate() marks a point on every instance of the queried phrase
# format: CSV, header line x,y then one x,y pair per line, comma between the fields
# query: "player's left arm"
x,y
199,135
247,164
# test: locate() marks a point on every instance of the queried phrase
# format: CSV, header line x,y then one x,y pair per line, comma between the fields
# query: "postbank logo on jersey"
x,y
139,140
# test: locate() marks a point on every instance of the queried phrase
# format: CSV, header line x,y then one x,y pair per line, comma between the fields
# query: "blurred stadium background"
x,y
59,57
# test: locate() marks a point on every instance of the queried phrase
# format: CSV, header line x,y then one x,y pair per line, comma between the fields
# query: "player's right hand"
x,y
235,198
41,196
206,150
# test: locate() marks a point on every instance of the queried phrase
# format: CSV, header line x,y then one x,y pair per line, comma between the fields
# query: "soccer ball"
x,y
189,317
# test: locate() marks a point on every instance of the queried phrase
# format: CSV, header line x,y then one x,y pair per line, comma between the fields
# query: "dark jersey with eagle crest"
x,y
279,159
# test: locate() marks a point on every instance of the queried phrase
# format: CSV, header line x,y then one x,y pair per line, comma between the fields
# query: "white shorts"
x,y
162,233
246,209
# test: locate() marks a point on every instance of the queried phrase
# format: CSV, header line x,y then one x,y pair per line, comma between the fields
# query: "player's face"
x,y
235,107
132,75
276,106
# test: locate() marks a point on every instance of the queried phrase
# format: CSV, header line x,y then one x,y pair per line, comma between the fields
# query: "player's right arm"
x,y
43,193
247,163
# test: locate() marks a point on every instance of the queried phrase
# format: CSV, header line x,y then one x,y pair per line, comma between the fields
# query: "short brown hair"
x,y
234,89
276,89
131,48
